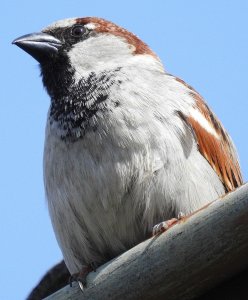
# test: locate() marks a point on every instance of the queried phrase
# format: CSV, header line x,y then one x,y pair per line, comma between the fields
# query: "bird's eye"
x,y
78,30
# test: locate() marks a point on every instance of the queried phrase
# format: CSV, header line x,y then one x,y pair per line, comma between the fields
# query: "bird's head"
x,y
85,44
80,60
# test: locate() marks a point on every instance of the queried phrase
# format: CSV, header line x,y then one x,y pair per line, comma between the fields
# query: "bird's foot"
x,y
165,225
80,277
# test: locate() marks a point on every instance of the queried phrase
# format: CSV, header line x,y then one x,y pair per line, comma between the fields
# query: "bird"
x,y
127,144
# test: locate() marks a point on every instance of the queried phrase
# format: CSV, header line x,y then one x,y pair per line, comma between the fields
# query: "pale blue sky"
x,y
203,42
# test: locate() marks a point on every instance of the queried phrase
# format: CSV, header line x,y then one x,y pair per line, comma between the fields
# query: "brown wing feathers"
x,y
217,148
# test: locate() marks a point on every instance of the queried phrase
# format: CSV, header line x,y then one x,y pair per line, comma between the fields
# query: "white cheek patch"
x,y
199,117
98,54
80,61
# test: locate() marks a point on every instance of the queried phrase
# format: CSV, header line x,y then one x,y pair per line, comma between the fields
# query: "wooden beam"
x,y
189,259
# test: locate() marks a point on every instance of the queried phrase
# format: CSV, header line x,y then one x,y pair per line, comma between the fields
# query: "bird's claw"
x,y
165,225
80,277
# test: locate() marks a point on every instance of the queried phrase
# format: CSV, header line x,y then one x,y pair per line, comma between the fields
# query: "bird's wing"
x,y
213,141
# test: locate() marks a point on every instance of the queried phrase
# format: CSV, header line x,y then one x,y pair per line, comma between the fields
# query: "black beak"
x,y
39,45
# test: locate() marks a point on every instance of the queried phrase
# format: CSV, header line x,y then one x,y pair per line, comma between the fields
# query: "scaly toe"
x,y
80,277
163,226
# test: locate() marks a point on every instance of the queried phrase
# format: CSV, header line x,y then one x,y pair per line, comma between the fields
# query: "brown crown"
x,y
104,26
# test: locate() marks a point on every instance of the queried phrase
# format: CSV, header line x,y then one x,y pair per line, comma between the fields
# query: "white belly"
x,y
104,200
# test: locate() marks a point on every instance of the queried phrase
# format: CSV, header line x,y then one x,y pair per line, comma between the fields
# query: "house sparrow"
x,y
127,144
